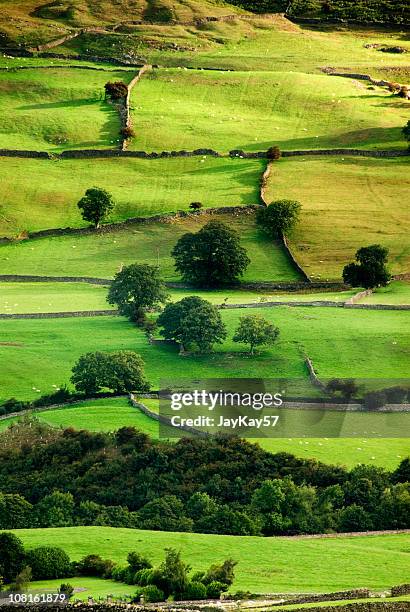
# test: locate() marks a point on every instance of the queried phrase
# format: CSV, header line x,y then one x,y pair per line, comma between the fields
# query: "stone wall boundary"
x,y
358,296
264,183
125,114
165,420
314,379
294,260
60,315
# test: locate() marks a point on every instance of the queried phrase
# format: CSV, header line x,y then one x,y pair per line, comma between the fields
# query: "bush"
x,y
48,562
373,400
119,574
66,589
94,565
12,557
195,205
221,573
127,132
116,90
152,594
137,562
396,395
195,590
144,577
279,217
215,588
274,153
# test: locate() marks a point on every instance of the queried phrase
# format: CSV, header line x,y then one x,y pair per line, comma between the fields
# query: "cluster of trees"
x,y
369,270
171,578
219,485
392,11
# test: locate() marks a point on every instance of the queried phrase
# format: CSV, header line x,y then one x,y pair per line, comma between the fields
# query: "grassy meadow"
x,y
347,203
16,298
341,343
276,564
396,292
57,109
41,194
188,109
102,254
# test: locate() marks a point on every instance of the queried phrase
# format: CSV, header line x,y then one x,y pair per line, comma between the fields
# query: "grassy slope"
x,y
101,255
51,297
57,109
341,343
38,194
347,203
265,564
397,292
91,13
189,109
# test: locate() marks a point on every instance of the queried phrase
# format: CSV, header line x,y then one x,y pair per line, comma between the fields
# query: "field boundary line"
x,y
125,116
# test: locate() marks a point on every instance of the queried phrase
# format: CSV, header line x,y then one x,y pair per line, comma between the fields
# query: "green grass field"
x,y
51,297
347,203
264,564
253,110
58,109
41,194
397,292
102,255
341,343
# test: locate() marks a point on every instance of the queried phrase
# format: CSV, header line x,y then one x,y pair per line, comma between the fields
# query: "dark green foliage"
x,y
195,591
204,485
369,270
144,577
212,257
137,562
215,588
55,510
120,371
135,289
96,205
345,389
12,556
279,218
274,153
354,518
225,573
150,594
406,132
94,565
165,514
49,562
66,589
193,323
255,331
387,11
15,512
22,580
116,90
373,400
195,205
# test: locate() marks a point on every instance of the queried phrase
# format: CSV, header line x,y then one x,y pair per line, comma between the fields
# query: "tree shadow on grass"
x,y
62,104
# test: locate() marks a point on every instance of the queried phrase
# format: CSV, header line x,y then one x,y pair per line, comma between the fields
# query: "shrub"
x,y
274,153
66,589
127,132
396,395
195,205
94,565
116,90
152,594
11,556
119,573
373,400
215,588
137,562
195,590
144,577
279,217
221,573
48,562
